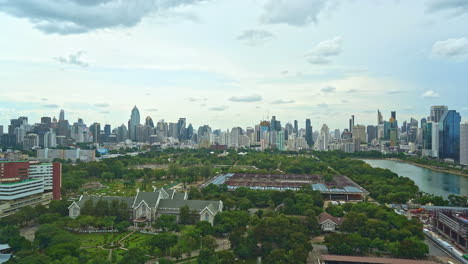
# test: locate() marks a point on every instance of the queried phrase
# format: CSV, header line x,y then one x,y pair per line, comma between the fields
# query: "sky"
x,y
232,63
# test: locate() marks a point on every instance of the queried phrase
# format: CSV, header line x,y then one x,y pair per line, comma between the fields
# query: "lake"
x,y
429,181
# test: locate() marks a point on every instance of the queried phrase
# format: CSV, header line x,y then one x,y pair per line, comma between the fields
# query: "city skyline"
x,y
186,59
302,123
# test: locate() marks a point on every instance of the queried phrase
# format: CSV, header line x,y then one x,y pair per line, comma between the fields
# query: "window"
x,y
207,217
75,211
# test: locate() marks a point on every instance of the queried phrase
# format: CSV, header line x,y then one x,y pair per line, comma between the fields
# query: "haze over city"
x,y
232,63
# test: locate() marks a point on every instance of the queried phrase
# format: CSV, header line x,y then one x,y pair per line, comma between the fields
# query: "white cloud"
x,y
78,16
457,7
292,12
102,105
328,89
430,93
253,37
323,51
73,59
451,49
283,101
246,99
218,108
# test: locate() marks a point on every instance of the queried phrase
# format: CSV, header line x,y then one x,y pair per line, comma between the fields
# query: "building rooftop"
x,y
352,259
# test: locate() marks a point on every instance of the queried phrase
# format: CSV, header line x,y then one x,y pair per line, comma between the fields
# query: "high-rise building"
x,y
308,136
172,130
46,120
379,118
423,121
122,133
204,132
31,141
371,133
324,138
464,144
449,135
437,111
27,184
95,132
1,130
107,131
427,139
162,129
62,115
189,132
275,125
133,123
359,133
50,140
181,128
435,140
393,115
337,134
351,123
296,127
149,121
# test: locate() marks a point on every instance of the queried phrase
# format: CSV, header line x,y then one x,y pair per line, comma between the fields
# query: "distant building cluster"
x,y
440,135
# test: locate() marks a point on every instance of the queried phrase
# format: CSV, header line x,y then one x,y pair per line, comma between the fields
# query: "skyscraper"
x,y
95,131
149,121
437,111
189,132
133,123
359,133
308,126
371,133
449,135
423,121
275,125
379,117
107,131
62,115
464,144
181,128
296,127
351,123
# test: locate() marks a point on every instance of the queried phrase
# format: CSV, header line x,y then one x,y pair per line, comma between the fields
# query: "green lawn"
x,y
118,188
137,240
93,240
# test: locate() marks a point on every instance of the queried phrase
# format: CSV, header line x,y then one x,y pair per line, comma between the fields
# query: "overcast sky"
x,y
232,63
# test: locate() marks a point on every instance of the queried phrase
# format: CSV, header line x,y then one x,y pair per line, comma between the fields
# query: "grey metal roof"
x,y
319,187
352,189
150,198
221,179
109,199
196,205
4,246
4,257
179,196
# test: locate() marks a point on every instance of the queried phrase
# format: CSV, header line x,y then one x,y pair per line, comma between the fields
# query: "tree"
x,y
409,248
133,256
166,223
205,228
184,214
163,241
207,256
208,242
225,257
335,210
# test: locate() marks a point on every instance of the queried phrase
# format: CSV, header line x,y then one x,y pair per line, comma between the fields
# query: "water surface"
x,y
430,181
